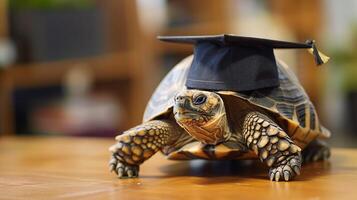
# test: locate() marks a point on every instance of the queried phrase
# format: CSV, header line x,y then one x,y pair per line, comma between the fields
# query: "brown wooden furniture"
x,y
76,168
3,19
125,61
133,57
212,18
305,19
143,57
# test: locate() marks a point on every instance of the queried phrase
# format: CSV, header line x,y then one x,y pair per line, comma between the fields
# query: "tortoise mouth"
x,y
190,118
186,116
194,115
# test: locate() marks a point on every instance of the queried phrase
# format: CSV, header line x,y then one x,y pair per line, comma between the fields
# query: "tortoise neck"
x,y
213,131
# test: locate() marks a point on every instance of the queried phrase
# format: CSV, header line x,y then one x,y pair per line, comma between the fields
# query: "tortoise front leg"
x,y
273,146
138,144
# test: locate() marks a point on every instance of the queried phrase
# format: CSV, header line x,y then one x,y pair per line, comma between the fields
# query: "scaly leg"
x,y
273,146
138,144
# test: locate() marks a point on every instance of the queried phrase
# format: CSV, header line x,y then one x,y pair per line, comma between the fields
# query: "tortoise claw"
x,y
287,175
277,176
122,169
272,175
286,171
112,164
296,169
127,171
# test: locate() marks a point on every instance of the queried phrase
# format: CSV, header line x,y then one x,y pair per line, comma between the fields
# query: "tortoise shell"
x,y
288,103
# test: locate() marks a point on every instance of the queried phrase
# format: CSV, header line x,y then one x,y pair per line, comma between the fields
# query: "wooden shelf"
x,y
137,65
106,67
191,29
3,19
126,64
213,27
112,67
210,28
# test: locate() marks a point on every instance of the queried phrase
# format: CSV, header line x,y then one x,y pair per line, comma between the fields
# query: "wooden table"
x,y
76,168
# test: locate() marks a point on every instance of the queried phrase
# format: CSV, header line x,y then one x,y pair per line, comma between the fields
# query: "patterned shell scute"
x,y
163,97
286,99
291,103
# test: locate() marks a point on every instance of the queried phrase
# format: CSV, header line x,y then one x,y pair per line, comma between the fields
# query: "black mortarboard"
x,y
236,63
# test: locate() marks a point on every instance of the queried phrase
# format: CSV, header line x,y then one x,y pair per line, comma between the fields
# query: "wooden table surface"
x,y
76,168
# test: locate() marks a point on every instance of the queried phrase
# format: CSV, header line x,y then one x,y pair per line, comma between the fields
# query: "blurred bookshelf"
x,y
305,19
131,62
3,19
120,64
187,17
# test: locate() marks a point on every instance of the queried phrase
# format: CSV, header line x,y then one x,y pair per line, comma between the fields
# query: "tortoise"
x,y
279,126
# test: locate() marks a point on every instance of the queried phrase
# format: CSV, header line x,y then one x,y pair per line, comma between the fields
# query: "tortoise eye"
x,y
200,99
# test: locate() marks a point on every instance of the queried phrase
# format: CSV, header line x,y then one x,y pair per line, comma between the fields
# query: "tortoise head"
x,y
202,114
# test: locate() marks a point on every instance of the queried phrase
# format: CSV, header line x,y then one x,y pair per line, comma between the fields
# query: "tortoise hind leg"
x,y
138,144
273,146
315,151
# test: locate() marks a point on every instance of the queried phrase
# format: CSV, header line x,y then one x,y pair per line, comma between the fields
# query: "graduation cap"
x,y
236,63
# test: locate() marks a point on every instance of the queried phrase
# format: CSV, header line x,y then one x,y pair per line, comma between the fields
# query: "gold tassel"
x,y
320,58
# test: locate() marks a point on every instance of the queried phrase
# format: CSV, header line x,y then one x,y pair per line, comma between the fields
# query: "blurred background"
x,y
88,67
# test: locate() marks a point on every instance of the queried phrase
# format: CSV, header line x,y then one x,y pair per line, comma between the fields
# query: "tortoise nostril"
x,y
179,98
